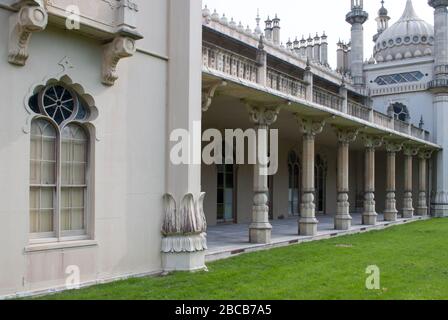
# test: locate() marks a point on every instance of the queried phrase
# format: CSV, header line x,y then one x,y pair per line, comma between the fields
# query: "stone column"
x,y
262,63
408,207
309,79
307,221
369,215
260,228
343,219
184,226
422,207
391,212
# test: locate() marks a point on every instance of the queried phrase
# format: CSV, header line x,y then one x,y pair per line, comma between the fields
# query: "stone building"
x,y
93,93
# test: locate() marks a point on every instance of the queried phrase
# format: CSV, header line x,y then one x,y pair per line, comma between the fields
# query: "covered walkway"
x,y
225,241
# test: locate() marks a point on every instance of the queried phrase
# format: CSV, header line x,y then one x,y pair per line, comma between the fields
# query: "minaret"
x,y
439,88
357,17
382,20
268,30
316,48
257,30
309,48
303,46
276,30
324,49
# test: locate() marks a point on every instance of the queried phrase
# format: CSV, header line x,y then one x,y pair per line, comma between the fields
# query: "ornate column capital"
x,y
121,47
346,135
372,141
410,150
438,3
425,154
393,146
208,93
262,115
310,126
31,17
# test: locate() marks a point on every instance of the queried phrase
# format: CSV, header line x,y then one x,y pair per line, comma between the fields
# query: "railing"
x,y
358,110
285,83
383,120
225,61
327,98
401,126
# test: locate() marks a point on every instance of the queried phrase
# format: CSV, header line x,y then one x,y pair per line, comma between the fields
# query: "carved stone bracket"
x,y
393,147
263,115
311,126
410,150
425,154
346,135
209,93
121,47
31,17
372,141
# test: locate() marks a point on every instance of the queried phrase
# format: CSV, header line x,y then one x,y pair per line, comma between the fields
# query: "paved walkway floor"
x,y
228,240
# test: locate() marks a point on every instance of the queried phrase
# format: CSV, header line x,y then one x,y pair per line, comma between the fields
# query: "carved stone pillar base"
x,y
422,208
184,261
369,216
308,222
308,226
343,219
391,212
259,234
408,209
184,253
440,205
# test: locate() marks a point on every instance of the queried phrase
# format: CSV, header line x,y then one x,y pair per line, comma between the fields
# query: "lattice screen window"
x,y
399,78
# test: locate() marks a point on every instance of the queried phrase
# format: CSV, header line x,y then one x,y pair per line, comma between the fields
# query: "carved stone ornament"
x,y
263,116
372,141
393,147
121,47
410,150
346,135
31,17
425,154
310,126
209,93
184,228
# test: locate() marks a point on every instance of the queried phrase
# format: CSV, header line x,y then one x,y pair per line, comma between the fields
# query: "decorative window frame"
x,y
90,130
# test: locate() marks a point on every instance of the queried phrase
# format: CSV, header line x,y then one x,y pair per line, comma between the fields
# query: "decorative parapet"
x,y
184,228
31,17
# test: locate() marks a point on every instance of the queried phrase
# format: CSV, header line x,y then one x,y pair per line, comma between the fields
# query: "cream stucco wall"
x,y
129,174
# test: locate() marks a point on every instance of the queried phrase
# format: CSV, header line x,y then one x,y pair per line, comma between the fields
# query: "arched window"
x,y
59,163
320,176
294,184
399,111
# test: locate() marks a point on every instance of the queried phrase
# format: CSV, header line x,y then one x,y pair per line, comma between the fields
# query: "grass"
x,y
413,260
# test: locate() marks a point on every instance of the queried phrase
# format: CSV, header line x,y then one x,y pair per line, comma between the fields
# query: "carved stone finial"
x,y
32,17
121,47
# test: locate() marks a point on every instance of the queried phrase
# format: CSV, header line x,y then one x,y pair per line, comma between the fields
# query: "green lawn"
x,y
413,260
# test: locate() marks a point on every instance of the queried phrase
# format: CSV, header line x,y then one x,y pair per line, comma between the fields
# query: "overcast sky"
x,y
310,16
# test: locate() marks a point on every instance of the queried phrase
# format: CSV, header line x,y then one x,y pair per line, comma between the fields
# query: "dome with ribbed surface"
x,y
409,37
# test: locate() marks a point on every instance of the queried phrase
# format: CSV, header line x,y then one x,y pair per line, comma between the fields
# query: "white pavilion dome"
x,y
409,37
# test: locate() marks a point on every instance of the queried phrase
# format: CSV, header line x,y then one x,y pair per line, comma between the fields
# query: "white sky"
x,y
310,16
